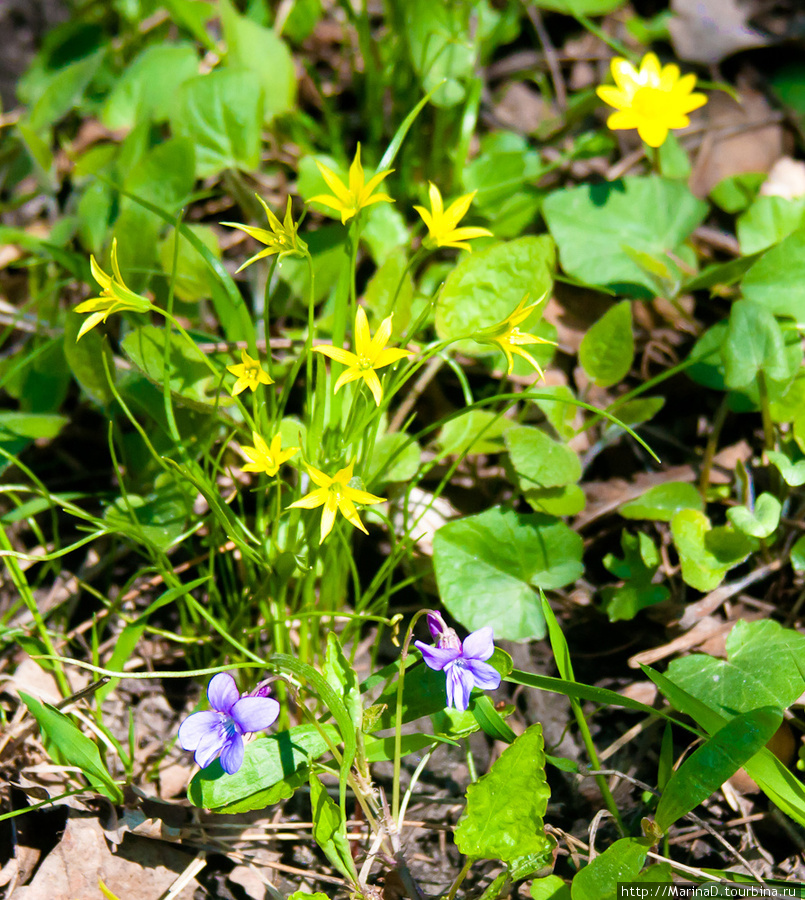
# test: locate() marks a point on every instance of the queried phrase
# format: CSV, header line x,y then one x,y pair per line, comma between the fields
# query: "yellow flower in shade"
x,y
249,374
441,222
652,99
115,296
267,459
371,355
335,495
508,337
282,239
349,200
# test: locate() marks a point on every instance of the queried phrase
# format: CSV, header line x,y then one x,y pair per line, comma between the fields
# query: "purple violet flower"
x,y
219,730
464,664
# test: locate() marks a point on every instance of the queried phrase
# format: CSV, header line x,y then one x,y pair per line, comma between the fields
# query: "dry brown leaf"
x,y
707,31
141,869
739,137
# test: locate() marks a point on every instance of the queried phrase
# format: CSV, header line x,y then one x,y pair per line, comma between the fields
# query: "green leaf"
x,y
540,461
663,501
68,744
761,522
637,568
793,472
277,761
759,670
304,895
262,54
188,373
798,554
581,7
158,518
342,678
607,350
222,114
777,279
30,425
329,829
568,500
505,808
192,273
594,224
549,888
486,286
146,88
474,432
395,458
754,343
64,91
707,553
718,759
622,861
768,221
735,193
486,566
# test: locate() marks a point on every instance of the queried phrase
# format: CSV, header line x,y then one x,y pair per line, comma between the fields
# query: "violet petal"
x,y
437,657
459,687
222,692
232,754
196,726
209,747
255,713
480,644
486,677
437,624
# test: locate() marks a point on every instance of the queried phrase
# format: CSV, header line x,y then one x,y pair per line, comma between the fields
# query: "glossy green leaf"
x,y
487,285
221,113
395,458
71,746
718,759
798,554
488,564
607,349
621,861
342,678
707,553
158,518
593,225
567,500
505,808
762,521
30,425
663,501
539,460
193,282
754,342
777,279
146,88
637,568
759,669
64,91
329,829
793,472
549,888
768,221
262,54
474,432
581,7
276,761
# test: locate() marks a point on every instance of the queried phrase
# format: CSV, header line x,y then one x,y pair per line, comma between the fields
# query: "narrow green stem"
x,y
461,876
712,446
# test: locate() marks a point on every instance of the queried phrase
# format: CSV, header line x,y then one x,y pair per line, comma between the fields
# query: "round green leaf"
x,y
540,461
663,501
487,565
777,279
607,350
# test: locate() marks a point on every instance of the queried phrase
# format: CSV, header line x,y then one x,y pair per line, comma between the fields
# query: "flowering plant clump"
x,y
506,335
464,663
652,99
219,731
282,240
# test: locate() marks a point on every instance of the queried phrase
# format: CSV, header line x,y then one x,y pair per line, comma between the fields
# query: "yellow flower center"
x,y
364,363
337,492
650,103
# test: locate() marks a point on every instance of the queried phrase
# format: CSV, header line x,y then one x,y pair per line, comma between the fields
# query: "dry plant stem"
x,y
550,55
712,446
417,389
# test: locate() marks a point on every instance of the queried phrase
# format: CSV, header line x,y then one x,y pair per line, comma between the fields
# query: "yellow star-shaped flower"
x,y
267,459
349,200
282,239
508,337
652,99
115,296
371,354
249,374
441,222
335,495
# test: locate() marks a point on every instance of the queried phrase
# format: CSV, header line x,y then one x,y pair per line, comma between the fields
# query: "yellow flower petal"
x,y
338,354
